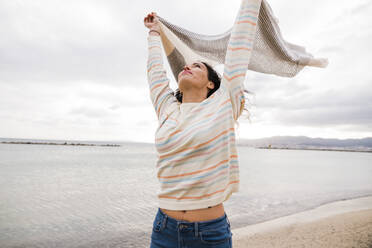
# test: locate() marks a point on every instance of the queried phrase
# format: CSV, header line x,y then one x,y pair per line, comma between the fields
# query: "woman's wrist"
x,y
154,32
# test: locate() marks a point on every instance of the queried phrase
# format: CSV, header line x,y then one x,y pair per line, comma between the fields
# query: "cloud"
x,y
77,69
65,41
91,112
333,108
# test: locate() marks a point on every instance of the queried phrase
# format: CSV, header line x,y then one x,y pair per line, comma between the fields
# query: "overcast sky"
x,y
77,69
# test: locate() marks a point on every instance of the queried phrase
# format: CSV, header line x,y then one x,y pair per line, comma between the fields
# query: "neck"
x,y
192,97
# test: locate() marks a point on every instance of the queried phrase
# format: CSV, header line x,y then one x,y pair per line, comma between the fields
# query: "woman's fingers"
x,y
150,18
151,15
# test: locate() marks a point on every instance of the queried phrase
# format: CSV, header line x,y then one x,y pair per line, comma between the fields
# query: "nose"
x,y
186,67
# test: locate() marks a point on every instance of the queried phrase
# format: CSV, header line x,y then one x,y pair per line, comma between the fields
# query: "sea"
x,y
98,196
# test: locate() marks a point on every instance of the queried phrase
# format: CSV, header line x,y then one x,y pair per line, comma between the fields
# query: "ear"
x,y
210,85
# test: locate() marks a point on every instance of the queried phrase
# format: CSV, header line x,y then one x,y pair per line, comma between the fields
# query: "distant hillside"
x,y
306,142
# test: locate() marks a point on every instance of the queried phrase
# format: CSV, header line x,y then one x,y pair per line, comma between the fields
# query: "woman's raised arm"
x,y
160,93
239,52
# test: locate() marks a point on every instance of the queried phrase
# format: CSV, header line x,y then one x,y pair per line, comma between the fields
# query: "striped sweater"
x,y
197,164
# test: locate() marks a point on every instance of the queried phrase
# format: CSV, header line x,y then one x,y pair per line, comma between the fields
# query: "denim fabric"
x,y
168,232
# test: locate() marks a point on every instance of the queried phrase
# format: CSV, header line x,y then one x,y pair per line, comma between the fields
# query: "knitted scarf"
x,y
271,54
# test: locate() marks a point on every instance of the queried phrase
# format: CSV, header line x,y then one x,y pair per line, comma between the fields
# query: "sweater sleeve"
x,y
238,53
160,93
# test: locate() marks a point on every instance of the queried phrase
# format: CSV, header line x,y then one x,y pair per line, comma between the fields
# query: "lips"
x,y
186,72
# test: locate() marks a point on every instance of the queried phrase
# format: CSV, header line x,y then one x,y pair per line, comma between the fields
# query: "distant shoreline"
x,y
116,145
313,149
52,143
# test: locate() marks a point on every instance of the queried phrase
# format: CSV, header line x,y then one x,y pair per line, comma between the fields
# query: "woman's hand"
x,y
151,21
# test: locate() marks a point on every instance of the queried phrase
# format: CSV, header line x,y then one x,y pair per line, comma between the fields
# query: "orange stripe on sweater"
x,y
170,135
156,86
229,79
193,112
200,154
174,120
157,78
196,172
199,171
199,197
239,48
232,66
204,181
240,38
246,21
196,147
152,67
223,103
151,47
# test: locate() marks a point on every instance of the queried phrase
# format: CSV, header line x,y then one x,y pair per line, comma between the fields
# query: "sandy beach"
x,y
339,224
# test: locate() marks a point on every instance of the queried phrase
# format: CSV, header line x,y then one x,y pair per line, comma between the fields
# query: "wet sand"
x,y
339,224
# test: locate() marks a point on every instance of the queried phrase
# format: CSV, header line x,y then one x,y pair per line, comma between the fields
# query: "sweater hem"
x,y
197,204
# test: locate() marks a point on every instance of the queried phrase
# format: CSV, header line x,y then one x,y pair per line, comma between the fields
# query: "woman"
x,y
197,156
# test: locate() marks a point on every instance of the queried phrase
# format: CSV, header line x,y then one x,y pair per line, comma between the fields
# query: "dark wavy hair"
x,y
212,76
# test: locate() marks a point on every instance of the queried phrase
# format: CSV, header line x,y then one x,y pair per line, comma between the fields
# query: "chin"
x,y
181,81
185,81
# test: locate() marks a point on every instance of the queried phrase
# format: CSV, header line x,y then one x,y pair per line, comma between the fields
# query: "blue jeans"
x,y
168,232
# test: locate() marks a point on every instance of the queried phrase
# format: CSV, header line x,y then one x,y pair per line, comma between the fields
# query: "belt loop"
x,y
196,229
165,221
228,221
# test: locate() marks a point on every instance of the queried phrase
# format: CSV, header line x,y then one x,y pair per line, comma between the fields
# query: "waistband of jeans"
x,y
187,223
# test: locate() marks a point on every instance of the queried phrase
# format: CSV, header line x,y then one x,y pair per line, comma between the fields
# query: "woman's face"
x,y
195,76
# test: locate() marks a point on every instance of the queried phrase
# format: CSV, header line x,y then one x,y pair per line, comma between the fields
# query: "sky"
x,y
76,70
